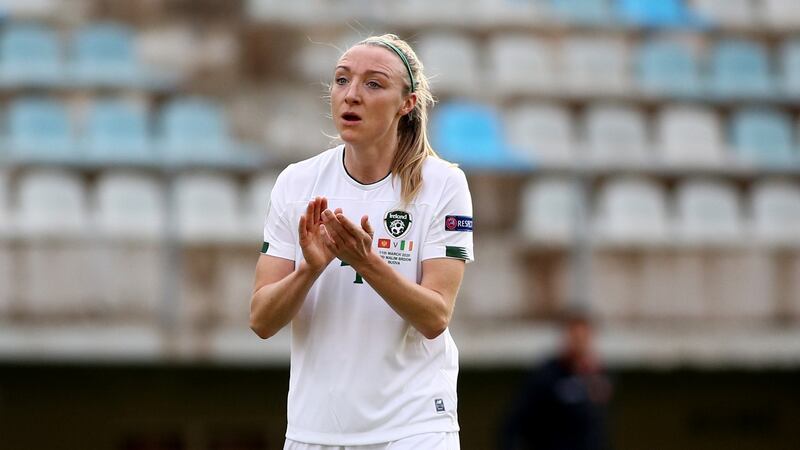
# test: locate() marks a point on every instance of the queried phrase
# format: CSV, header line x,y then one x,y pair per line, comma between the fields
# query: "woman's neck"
x,y
369,163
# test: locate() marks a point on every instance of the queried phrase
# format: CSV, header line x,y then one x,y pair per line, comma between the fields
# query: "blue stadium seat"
x,y
103,55
40,129
193,128
763,136
655,13
790,66
582,11
118,132
740,69
194,131
471,135
30,56
667,67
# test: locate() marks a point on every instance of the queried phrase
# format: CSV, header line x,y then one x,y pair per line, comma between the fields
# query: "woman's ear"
x,y
408,104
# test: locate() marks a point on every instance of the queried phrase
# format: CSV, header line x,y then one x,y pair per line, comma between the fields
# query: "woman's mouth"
x,y
350,118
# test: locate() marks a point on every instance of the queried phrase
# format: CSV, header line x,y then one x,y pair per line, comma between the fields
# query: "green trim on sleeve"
x,y
455,252
264,247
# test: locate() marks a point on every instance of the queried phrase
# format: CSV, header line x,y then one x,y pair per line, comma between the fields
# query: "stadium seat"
x,y
194,130
471,134
503,12
292,12
667,68
451,62
708,211
763,136
730,13
52,219
117,132
595,65
661,13
781,14
299,124
550,210
207,208
543,133
40,129
30,56
740,69
616,135
104,55
690,136
130,206
582,12
257,202
631,210
521,64
790,68
130,215
776,211
51,203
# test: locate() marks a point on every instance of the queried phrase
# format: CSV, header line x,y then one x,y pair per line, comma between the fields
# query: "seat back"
x,y
40,129
130,205
763,136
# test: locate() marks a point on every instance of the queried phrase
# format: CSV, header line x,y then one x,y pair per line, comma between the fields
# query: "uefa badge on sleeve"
x,y
397,223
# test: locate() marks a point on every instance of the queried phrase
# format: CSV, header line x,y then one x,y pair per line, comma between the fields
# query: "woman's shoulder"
x,y
439,172
308,169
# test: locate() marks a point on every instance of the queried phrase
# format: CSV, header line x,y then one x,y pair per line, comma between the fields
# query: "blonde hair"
x,y
412,134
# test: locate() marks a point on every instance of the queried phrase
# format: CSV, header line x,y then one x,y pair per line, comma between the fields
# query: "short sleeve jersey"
x,y
361,374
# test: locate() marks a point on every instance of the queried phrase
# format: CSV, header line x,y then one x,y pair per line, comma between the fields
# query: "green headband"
x,y
405,61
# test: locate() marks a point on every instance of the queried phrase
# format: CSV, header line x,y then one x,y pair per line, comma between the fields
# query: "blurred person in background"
x,y
364,252
562,404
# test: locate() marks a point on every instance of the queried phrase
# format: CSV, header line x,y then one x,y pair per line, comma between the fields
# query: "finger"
x,y
367,226
317,210
338,211
327,239
309,216
349,226
323,205
333,235
301,228
335,226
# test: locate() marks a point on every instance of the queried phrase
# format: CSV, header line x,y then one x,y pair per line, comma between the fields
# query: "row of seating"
x,y
633,13
211,207
53,202
638,210
115,131
99,55
513,64
682,135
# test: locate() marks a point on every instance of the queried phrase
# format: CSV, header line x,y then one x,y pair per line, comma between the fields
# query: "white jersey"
x,y
360,374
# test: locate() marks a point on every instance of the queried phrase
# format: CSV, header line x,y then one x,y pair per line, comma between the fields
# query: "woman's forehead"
x,y
365,58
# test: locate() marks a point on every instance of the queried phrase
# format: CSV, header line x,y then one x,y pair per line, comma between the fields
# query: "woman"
x,y
368,270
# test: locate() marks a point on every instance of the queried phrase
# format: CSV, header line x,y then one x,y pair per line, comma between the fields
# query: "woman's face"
x,y
367,97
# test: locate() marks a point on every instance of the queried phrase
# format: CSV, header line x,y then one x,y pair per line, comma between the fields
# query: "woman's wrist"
x,y
369,264
307,270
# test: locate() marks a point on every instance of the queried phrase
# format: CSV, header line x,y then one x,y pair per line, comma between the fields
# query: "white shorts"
x,y
425,441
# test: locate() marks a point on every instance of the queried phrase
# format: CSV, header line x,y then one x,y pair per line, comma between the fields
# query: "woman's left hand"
x,y
345,239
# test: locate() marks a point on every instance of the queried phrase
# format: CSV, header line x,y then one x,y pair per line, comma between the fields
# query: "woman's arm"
x,y
279,289
278,293
427,306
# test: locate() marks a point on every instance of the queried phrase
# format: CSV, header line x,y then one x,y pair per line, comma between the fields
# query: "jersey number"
x,y
358,280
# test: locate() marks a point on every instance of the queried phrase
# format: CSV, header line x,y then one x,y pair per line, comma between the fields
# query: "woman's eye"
x,y
373,84
341,80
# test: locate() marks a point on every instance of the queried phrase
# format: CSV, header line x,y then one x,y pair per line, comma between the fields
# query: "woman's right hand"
x,y
312,242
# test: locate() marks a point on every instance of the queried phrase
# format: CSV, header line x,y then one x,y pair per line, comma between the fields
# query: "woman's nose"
x,y
352,95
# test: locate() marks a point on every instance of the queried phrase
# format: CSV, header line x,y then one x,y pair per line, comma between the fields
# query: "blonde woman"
x,y
364,252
